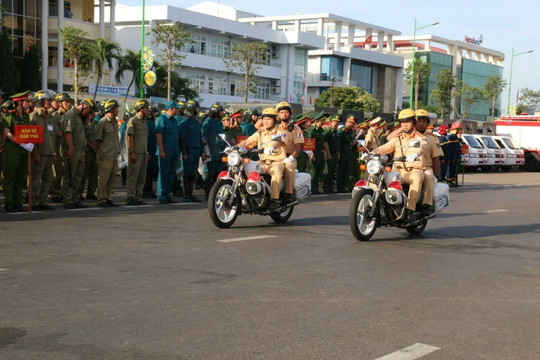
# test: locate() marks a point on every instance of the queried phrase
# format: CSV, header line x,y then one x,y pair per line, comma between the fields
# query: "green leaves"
x,y
349,98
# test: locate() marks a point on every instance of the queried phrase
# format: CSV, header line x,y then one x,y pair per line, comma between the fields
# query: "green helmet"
x,y
141,104
216,107
191,107
110,104
90,103
63,96
255,111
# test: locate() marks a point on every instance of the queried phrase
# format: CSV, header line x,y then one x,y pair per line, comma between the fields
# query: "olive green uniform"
x,y
302,159
331,137
317,161
107,158
136,172
42,173
15,162
56,186
72,170
346,138
90,161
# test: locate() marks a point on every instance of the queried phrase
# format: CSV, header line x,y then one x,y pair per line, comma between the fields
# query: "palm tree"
x,y
131,61
103,52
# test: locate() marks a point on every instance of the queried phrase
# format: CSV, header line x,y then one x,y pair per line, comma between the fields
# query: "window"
x,y
197,81
199,44
217,85
219,47
263,90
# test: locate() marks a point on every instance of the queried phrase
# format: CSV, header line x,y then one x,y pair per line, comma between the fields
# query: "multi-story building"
x,y
469,62
214,29
37,22
349,57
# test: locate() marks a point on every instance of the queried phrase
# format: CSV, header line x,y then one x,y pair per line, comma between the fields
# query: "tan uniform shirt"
x,y
263,140
72,122
372,140
107,133
435,149
404,145
138,129
291,138
46,148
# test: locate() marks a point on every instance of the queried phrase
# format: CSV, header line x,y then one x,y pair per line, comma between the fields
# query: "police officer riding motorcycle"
x,y
256,187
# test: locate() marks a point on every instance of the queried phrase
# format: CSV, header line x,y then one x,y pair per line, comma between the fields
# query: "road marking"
x,y
412,352
84,209
247,238
25,212
182,203
496,211
136,206
3,269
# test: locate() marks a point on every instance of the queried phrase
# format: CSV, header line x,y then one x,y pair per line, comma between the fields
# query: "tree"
x,y
130,61
79,51
530,99
179,85
469,97
9,75
103,53
29,69
246,59
173,38
493,87
421,74
349,98
442,94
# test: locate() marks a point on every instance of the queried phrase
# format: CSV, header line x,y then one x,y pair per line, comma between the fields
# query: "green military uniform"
x,y
56,186
90,161
317,162
331,137
346,138
42,174
231,133
107,159
302,159
136,172
72,169
15,162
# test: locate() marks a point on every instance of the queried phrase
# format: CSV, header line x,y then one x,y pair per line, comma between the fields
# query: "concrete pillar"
x,y
380,41
45,42
274,25
320,27
427,45
60,57
347,71
350,39
102,18
338,28
297,25
389,44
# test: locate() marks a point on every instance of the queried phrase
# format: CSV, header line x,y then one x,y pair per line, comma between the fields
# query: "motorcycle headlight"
x,y
234,158
373,167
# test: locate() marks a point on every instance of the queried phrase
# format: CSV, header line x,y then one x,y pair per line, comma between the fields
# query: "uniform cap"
x,y
237,114
171,105
335,118
351,118
375,121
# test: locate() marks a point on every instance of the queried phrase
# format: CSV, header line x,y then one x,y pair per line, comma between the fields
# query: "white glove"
x,y
364,156
289,159
308,152
435,180
412,157
269,151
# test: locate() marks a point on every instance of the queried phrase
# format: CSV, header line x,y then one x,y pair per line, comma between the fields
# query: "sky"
x,y
503,24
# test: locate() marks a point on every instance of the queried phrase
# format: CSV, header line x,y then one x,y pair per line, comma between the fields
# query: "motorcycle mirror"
x,y
362,142
224,138
276,137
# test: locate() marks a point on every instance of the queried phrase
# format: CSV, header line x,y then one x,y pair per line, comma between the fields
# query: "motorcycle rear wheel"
x,y
361,204
221,214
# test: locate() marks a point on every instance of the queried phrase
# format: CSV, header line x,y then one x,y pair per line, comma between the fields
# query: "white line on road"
x,y
412,352
136,206
496,211
247,238
182,203
85,209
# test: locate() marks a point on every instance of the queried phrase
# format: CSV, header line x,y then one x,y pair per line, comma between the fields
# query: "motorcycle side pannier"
x,y
302,185
441,196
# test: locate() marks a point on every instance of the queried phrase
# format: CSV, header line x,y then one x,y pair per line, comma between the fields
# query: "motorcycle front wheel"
x,y
221,213
282,216
362,227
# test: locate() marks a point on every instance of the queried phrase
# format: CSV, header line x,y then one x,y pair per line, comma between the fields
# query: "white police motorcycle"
x,y
244,188
381,200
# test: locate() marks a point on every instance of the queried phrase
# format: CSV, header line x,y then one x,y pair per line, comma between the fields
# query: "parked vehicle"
x,y
525,133
513,157
495,155
476,155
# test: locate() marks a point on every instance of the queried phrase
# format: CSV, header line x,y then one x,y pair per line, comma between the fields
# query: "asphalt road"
x,y
161,282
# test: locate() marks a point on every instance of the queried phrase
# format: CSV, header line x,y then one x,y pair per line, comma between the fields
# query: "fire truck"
x,y
525,131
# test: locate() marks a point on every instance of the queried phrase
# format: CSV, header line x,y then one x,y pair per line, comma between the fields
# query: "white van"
x,y
477,155
495,155
513,156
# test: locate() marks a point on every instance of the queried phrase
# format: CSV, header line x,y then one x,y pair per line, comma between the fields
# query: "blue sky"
x,y
502,24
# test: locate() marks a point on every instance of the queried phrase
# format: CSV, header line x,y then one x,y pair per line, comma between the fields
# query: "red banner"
x,y
25,134
309,144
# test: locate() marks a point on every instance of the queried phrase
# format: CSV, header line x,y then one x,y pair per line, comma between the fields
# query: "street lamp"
x,y
141,86
413,59
510,81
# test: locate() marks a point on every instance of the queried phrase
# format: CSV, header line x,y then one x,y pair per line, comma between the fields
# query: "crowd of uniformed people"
x,y
86,145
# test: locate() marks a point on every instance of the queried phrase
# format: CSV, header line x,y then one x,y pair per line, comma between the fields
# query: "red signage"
x,y
25,134
464,149
240,138
309,144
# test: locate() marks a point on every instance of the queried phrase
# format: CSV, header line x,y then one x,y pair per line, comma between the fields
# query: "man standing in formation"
x,y
316,132
346,142
331,147
211,129
137,149
167,150
107,142
64,104
72,152
190,135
